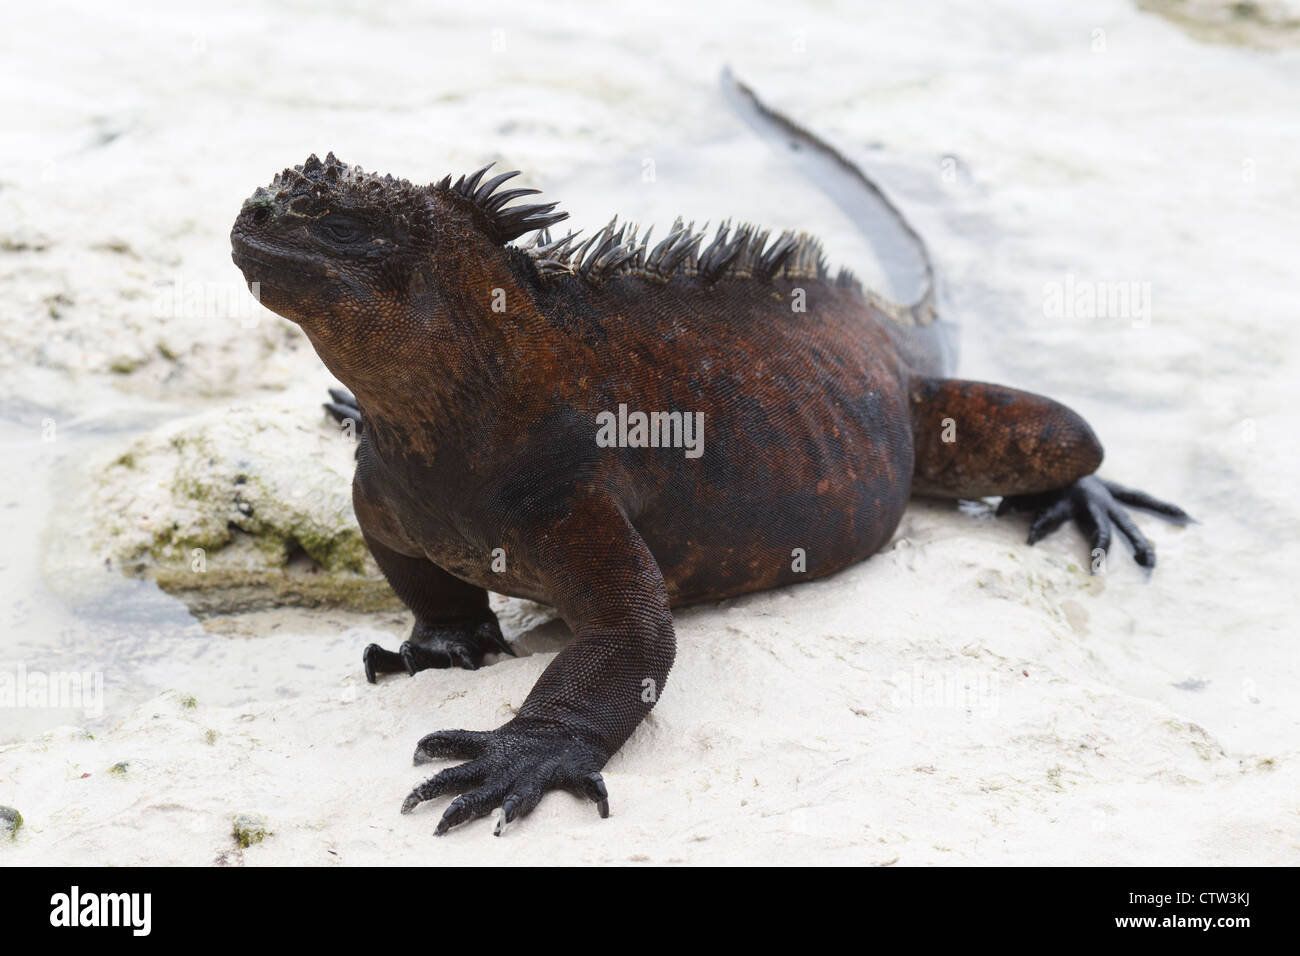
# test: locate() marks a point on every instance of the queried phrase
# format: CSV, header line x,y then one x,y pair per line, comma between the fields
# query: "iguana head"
x,y
343,252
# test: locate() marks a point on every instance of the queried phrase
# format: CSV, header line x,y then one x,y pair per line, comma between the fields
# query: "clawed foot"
x,y
1095,504
461,643
511,767
343,408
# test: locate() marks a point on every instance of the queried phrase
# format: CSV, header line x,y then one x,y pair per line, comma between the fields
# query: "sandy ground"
x,y
959,698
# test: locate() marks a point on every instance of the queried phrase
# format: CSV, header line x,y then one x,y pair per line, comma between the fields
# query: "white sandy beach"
x,y
960,698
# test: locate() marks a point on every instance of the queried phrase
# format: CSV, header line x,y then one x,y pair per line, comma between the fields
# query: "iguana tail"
x,y
901,250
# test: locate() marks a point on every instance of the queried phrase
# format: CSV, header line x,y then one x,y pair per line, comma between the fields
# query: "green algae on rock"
x,y
1260,24
249,828
238,509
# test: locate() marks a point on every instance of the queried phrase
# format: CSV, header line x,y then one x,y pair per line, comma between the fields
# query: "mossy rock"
x,y
239,509
250,828
11,821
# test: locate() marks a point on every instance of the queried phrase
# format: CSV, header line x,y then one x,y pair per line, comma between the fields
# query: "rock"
x,y
1263,24
237,509
250,828
11,821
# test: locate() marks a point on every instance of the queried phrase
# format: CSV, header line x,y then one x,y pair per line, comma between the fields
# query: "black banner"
x,y
1226,906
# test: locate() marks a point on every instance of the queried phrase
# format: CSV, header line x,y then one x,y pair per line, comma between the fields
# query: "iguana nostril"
x,y
260,215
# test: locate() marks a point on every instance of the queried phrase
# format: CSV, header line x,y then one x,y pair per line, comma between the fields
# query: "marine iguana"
x,y
485,372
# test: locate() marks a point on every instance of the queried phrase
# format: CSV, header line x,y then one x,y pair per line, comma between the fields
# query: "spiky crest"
x,y
503,223
741,252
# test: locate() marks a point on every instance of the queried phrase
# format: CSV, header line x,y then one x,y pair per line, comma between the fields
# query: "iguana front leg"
x,y
602,578
973,440
454,627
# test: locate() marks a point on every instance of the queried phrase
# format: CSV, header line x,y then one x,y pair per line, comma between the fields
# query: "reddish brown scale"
x,y
975,439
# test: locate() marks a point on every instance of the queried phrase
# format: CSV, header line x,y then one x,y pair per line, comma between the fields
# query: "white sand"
x,y
959,698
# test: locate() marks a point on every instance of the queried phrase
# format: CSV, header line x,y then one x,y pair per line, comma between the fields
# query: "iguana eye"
x,y
342,228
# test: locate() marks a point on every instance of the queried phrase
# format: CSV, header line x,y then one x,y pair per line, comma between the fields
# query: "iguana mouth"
x,y
260,266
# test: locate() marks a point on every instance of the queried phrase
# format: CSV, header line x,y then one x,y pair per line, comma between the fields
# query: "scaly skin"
x,y
479,381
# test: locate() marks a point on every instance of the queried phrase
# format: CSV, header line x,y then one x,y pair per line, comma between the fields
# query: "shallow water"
x,y
129,635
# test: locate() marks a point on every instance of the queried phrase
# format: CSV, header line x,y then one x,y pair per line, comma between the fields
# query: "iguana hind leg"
x,y
973,440
1095,504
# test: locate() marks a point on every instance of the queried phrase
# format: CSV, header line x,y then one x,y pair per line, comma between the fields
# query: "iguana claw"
x,y
344,408
511,767
450,644
1096,504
